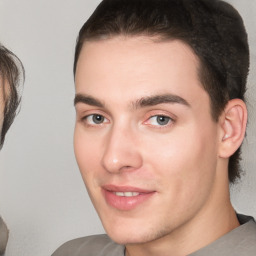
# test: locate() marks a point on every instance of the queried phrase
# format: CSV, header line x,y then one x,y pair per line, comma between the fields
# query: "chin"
x,y
128,239
133,235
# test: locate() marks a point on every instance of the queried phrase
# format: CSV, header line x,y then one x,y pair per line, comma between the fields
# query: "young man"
x,y
11,76
160,120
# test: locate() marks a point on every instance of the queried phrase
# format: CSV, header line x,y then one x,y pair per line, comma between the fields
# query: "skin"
x,y
3,228
130,83
2,104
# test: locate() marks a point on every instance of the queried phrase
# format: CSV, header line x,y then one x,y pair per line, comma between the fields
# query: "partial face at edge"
x,y
144,140
2,103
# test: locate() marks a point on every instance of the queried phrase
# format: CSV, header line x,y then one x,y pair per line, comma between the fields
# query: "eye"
x,y
159,120
95,119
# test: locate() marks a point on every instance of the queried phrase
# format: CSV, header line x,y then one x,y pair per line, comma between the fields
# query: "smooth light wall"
x,y
42,196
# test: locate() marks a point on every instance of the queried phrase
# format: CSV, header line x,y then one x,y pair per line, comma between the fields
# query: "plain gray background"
x,y
42,196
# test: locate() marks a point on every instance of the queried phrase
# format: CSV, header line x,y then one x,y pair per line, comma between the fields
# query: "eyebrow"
x,y
140,103
81,98
160,99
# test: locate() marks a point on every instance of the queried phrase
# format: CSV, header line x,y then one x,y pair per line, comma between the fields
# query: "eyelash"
x,y
157,119
91,120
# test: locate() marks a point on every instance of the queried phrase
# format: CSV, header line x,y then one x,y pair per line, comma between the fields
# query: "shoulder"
x,y
239,241
98,245
247,235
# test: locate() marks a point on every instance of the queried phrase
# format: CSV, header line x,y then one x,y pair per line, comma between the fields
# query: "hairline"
x,y
155,38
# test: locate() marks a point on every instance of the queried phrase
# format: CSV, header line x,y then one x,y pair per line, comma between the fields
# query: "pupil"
x,y
163,120
97,119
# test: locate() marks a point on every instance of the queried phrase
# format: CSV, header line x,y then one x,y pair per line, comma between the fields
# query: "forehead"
x,y
132,66
140,49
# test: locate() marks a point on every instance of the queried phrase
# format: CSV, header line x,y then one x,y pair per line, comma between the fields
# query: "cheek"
x,y
185,159
1,114
182,166
174,152
86,152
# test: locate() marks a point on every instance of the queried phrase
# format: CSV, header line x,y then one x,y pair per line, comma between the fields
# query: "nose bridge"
x,y
121,149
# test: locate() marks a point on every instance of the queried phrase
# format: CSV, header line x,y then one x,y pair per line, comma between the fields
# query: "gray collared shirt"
x,y
241,241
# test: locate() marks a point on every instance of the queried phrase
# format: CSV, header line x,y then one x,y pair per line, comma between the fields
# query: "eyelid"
x,y
83,117
82,109
91,121
158,113
156,116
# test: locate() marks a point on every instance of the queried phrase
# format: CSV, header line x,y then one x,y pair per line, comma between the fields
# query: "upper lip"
x,y
115,188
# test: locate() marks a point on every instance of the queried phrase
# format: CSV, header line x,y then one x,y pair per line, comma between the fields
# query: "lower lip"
x,y
124,203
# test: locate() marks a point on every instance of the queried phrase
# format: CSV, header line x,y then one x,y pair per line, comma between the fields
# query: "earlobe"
x,y
233,125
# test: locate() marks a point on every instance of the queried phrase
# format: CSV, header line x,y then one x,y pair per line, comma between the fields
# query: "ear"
x,y
233,125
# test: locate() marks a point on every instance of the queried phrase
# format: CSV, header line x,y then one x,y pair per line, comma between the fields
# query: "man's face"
x,y
145,141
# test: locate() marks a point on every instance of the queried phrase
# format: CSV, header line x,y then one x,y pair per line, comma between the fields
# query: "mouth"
x,y
126,198
126,194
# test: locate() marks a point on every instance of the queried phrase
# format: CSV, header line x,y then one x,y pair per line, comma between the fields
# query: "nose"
x,y
121,151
